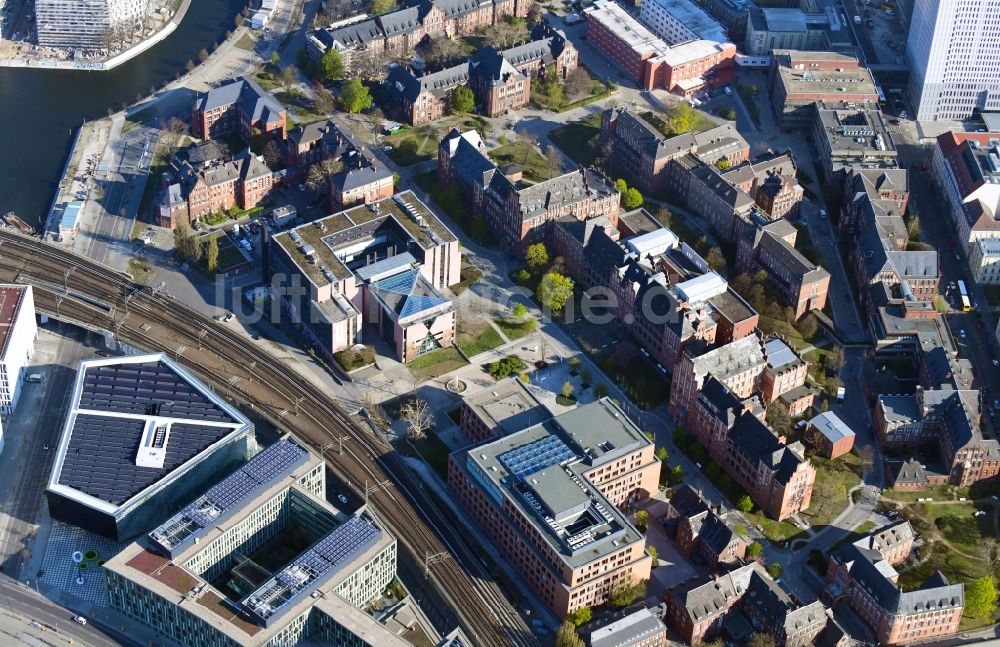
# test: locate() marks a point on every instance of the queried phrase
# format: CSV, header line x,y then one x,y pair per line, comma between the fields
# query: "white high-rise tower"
x,y
954,54
87,24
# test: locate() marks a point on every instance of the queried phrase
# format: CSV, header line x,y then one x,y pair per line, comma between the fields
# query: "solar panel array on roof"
x,y
535,456
152,388
222,499
340,547
100,456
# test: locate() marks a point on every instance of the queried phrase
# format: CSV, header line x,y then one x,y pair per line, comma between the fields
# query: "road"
x,y
246,373
22,606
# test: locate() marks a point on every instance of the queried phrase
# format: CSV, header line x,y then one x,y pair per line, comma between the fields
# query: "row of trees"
x,y
187,244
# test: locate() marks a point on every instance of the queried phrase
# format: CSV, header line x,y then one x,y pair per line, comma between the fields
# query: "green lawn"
x,y
536,167
515,329
247,42
579,139
476,336
938,493
776,531
229,255
418,143
435,363
829,497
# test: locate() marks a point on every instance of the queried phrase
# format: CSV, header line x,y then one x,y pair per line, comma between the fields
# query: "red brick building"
x,y
862,574
238,106
648,59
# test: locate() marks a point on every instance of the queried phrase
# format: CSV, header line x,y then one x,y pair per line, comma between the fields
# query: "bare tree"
x,y
417,414
529,140
441,52
554,160
579,83
288,78
323,100
321,172
989,550
504,34
375,410
867,456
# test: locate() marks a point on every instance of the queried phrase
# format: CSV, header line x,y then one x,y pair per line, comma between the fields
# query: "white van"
x,y
34,378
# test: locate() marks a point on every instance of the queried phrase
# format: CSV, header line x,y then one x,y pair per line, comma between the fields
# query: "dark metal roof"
x,y
100,459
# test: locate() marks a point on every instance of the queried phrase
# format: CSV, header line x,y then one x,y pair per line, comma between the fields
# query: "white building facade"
x,y
984,261
954,55
88,24
18,330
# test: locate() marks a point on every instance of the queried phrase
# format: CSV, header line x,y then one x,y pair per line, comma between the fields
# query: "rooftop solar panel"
x,y
135,388
341,546
100,456
536,456
223,499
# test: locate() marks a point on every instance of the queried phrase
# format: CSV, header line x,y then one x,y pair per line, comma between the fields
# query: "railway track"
x,y
102,298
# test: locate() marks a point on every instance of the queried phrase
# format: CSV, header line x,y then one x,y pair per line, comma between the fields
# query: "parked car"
x,y
80,620
229,317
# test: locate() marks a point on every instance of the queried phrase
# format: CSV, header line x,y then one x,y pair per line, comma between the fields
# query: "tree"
x,y
212,254
189,66
662,454
417,415
534,15
980,596
518,310
722,163
462,100
331,66
554,161
323,100
441,52
288,78
680,119
601,391
715,259
272,154
835,360
505,34
654,554
383,6
275,58
632,199
183,239
536,255
913,226
641,520
581,616
762,640
554,291
203,55
579,83
744,503
808,326
197,249
620,186
320,172
664,216
754,551
774,570
625,593
676,474
567,389
567,636
528,141
505,367
778,419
